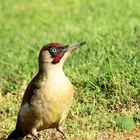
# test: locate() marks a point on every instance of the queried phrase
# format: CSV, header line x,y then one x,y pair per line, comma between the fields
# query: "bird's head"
x,y
56,53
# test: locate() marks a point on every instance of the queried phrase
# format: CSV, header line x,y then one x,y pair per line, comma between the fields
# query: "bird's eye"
x,y
54,50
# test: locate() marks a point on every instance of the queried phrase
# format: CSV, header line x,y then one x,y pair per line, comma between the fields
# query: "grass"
x,y
106,72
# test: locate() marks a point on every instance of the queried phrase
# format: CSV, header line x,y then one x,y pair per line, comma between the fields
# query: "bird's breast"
x,y
58,85
56,94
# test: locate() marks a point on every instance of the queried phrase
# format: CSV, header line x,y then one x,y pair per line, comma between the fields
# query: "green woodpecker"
x,y
49,95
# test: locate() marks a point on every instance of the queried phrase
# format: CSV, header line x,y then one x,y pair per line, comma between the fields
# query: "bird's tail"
x,y
15,135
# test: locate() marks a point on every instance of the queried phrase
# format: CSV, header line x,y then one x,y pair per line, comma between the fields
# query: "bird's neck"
x,y
47,68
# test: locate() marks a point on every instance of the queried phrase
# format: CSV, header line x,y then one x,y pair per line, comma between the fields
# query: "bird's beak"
x,y
75,46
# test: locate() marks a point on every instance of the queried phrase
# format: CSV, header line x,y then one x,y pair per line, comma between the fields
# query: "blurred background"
x,y
106,72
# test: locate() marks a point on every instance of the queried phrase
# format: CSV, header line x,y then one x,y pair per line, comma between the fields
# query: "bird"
x,y
48,97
